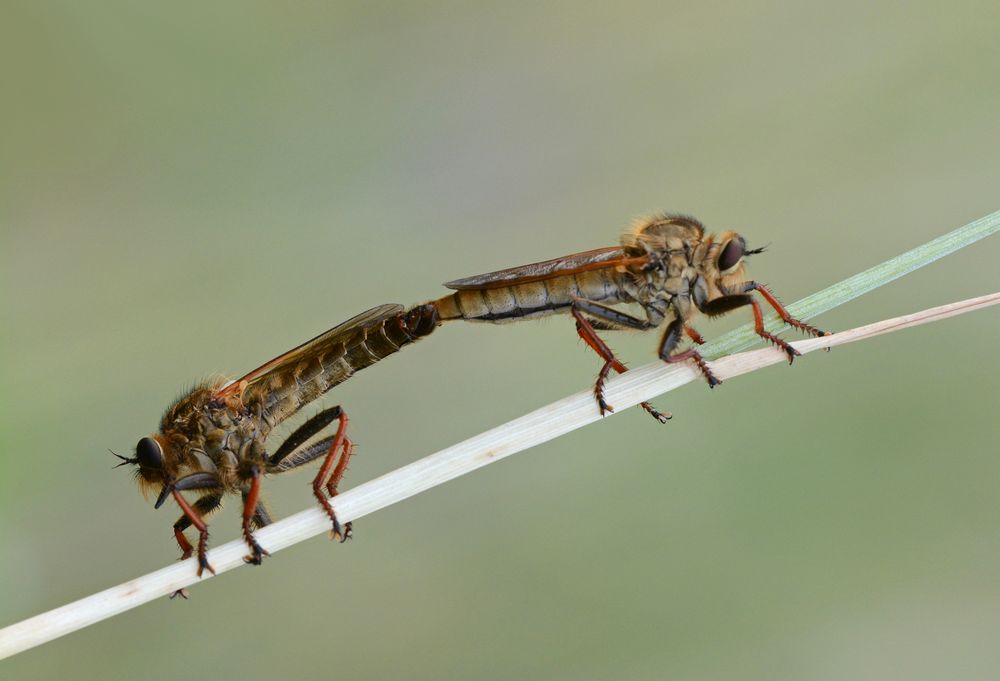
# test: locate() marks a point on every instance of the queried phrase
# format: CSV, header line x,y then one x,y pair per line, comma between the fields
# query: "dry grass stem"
x,y
532,429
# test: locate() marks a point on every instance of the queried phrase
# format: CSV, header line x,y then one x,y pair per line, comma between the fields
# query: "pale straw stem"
x,y
535,428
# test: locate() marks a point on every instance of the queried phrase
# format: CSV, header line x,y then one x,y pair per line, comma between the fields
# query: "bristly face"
x,y
159,459
150,463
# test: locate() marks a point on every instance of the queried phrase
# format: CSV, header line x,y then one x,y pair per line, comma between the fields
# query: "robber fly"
x,y
212,440
667,265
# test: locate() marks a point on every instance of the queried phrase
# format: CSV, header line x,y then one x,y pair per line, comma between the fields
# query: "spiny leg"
x,y
289,456
693,335
780,309
335,478
726,303
312,426
250,506
586,331
203,506
671,338
325,472
202,528
196,481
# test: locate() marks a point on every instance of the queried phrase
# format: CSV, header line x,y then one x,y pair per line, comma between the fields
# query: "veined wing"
x,y
333,342
599,258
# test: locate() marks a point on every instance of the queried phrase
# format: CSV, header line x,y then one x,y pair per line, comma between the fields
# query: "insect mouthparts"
x,y
125,460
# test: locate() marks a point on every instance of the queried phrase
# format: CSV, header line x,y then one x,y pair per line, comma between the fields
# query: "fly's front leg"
x,y
608,318
203,506
194,514
780,309
672,337
726,303
202,528
250,509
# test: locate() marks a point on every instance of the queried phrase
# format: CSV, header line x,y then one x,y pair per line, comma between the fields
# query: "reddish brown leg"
x,y
335,478
202,533
186,548
671,338
693,335
782,312
758,326
325,473
589,335
249,509
699,361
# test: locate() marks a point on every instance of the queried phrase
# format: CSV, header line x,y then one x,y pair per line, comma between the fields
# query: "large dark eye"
x,y
731,254
149,454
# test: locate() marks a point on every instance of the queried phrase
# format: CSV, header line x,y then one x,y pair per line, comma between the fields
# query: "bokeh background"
x,y
190,188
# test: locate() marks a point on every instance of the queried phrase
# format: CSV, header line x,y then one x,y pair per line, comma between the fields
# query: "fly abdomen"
x,y
532,299
290,389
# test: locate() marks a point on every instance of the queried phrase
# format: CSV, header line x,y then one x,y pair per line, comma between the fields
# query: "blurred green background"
x,y
193,188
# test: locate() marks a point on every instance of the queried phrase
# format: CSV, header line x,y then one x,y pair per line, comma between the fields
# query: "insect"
x,y
212,440
666,264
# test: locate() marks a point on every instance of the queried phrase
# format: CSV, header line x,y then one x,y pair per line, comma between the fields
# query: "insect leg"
x,y
250,497
693,335
338,443
335,477
204,505
197,521
780,309
726,303
261,516
301,434
302,456
671,338
589,335
610,319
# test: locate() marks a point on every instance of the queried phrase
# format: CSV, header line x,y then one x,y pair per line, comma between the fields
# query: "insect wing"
x,y
342,334
599,258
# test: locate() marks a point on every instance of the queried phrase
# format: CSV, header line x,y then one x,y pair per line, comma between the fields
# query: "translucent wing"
x,y
333,342
599,258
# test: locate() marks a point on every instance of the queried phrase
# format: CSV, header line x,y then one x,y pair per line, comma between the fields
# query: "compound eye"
x,y
732,254
149,454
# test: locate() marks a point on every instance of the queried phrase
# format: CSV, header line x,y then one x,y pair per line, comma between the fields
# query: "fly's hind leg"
x,y
291,454
335,477
608,318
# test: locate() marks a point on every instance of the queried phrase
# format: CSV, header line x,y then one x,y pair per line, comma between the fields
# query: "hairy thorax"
x,y
202,434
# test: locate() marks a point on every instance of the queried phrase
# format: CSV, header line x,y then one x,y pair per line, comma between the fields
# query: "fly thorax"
x,y
231,436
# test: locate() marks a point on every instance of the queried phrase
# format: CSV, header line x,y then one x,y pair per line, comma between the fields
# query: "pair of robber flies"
x,y
212,442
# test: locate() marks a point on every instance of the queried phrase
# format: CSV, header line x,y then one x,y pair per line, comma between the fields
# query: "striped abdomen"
x,y
328,362
534,299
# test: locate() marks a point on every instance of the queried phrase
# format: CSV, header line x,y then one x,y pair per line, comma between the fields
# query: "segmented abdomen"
x,y
533,299
287,390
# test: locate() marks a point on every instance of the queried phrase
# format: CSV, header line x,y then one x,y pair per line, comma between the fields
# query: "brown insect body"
x,y
676,245
213,439
666,265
